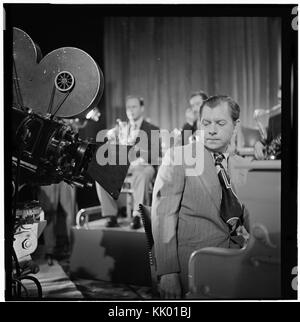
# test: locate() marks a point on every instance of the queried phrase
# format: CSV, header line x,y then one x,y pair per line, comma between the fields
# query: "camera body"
x,y
49,149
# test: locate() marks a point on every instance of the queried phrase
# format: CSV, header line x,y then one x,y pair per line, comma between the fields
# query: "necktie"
x,y
132,133
231,209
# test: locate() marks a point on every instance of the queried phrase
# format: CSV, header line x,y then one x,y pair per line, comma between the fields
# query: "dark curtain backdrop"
x,y
164,59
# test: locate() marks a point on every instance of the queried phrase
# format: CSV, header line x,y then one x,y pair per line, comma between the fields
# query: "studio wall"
x,y
164,59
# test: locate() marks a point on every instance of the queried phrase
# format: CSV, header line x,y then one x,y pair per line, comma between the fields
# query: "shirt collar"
x,y
226,155
138,122
225,161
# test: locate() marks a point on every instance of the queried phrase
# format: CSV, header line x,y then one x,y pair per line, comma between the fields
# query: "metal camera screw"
x,y
26,243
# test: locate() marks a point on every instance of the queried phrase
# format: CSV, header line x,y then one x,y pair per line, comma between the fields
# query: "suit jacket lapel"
x,y
144,126
210,180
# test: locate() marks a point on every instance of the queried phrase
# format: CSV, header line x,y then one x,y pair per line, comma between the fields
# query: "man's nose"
x,y
212,129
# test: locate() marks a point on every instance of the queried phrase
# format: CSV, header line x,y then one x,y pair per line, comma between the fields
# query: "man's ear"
x,y
237,125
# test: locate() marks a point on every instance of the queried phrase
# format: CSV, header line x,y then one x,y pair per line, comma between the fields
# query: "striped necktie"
x,y
231,209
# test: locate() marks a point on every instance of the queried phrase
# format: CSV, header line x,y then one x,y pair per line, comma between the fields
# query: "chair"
x,y
86,215
83,216
145,212
249,273
127,189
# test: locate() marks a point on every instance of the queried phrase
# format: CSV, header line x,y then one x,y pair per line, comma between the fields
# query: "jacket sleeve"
x,y
154,147
167,197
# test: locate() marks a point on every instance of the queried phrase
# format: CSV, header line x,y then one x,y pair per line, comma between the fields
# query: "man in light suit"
x,y
186,208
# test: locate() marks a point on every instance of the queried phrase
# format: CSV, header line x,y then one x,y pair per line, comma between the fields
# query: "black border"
x,y
289,172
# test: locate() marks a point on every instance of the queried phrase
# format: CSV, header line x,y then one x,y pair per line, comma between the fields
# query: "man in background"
x,y
141,171
273,131
192,116
58,202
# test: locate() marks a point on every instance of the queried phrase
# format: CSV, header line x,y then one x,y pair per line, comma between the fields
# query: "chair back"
x,y
252,272
145,212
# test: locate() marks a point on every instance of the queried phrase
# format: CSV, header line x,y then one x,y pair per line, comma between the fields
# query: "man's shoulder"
x,y
238,168
187,127
185,152
185,148
236,157
148,125
238,160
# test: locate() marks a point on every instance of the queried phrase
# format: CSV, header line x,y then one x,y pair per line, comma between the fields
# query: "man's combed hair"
x,y
199,93
214,101
140,99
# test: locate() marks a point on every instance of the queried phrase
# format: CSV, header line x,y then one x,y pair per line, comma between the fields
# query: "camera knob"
x,y
26,243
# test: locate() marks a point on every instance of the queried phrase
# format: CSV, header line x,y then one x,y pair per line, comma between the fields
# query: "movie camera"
x,y
48,93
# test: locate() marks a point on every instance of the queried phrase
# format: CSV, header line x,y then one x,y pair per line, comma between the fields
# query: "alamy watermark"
x,y
147,150
295,19
295,279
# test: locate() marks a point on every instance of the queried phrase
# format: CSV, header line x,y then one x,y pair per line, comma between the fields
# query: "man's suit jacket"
x,y
274,127
186,211
187,130
154,146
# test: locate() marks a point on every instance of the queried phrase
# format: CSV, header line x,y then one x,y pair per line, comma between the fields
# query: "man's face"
x,y
218,127
133,109
195,103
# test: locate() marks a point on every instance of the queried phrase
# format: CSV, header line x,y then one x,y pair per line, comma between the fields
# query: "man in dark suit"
x,y
273,131
187,212
190,127
142,170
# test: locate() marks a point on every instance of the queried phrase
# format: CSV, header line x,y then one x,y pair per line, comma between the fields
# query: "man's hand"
x,y
259,151
170,287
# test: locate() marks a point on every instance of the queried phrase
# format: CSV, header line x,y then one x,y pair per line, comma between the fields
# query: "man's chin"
x,y
214,146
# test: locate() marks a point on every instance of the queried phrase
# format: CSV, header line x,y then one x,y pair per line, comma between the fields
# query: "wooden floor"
x,y
57,285
54,281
